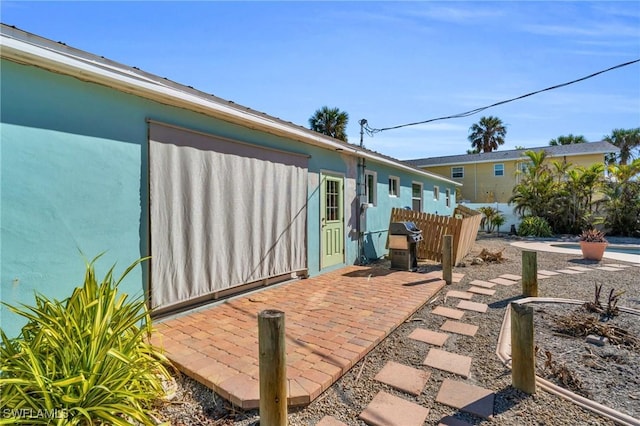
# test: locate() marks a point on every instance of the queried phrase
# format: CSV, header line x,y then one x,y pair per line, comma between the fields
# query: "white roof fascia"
x,y
51,58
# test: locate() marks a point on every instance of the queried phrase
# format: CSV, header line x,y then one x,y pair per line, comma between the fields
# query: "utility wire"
x,y
371,131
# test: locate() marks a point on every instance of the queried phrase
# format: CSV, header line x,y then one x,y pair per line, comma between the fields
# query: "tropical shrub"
x,y
84,360
534,226
498,221
563,195
621,205
491,219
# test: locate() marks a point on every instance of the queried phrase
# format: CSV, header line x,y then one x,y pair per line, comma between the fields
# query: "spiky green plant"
x,y
84,360
534,226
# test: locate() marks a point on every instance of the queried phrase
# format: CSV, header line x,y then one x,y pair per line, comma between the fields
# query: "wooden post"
x,y
529,274
447,258
273,368
523,362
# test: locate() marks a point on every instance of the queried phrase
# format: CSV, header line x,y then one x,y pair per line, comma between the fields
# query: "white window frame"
x,y
371,193
461,172
394,186
421,195
447,197
436,193
523,166
495,170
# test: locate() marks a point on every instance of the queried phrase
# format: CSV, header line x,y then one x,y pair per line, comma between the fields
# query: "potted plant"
x,y
592,243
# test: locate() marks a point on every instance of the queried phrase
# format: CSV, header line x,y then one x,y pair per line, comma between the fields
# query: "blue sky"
x,y
388,62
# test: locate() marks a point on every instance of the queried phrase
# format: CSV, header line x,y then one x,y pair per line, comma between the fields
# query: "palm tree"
x,y
487,134
628,140
567,140
331,122
622,192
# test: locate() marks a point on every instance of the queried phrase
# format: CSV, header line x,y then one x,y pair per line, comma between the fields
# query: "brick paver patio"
x,y
332,321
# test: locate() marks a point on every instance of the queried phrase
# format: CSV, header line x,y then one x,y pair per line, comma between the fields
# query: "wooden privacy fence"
x,y
463,226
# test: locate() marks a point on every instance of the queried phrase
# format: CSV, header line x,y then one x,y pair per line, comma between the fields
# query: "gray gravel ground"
x,y
610,374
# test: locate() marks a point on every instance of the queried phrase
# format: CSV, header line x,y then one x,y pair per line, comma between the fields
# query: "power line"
x,y
371,131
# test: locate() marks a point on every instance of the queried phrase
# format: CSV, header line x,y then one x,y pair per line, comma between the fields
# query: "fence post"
x,y
272,368
523,362
447,258
529,274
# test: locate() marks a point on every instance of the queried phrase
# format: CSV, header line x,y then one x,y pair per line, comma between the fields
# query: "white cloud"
x,y
459,13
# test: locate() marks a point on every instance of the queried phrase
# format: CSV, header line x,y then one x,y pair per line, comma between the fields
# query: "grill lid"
x,y
403,228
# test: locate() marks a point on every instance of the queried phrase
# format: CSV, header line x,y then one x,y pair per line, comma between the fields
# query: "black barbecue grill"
x,y
403,237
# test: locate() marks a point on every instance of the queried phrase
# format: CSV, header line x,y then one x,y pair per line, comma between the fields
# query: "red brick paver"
x,y
331,322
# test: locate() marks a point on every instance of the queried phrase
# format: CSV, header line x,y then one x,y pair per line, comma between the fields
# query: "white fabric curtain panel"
x,y
222,214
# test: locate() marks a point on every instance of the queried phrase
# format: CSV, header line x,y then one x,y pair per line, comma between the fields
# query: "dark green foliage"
x,y
331,122
621,204
567,140
487,135
628,140
492,219
534,226
572,199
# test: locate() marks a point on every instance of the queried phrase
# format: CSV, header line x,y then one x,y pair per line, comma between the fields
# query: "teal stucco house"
x,y
100,157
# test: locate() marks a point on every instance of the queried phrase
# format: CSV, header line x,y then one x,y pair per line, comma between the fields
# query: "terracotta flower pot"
x,y
592,251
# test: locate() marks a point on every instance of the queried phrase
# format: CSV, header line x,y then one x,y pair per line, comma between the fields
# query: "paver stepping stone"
x,y
615,265
608,268
543,277
548,273
511,277
402,377
579,268
459,328
448,312
480,283
503,281
472,306
469,398
569,271
459,294
447,361
428,336
452,421
480,290
330,421
389,410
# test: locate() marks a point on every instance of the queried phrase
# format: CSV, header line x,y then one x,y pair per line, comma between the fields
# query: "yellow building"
x,y
489,177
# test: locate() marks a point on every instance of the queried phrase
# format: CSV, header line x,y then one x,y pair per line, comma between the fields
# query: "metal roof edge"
x,y
29,49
